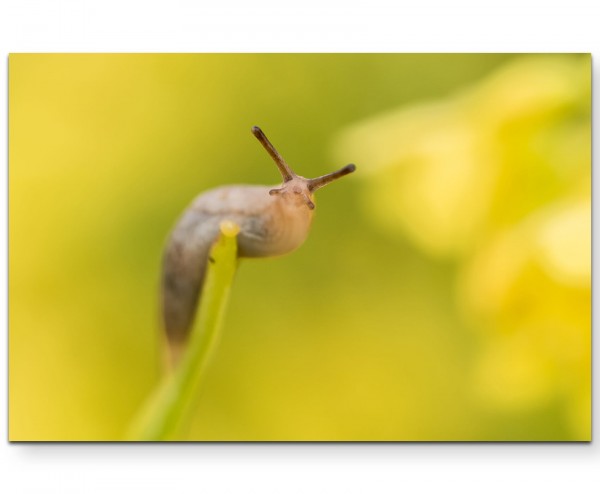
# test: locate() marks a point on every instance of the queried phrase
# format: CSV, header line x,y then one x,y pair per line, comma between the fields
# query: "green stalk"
x,y
169,408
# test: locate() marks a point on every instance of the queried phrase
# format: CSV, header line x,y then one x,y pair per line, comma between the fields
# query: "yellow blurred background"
x,y
444,291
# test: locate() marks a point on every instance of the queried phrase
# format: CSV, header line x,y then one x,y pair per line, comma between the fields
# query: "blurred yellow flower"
x,y
498,178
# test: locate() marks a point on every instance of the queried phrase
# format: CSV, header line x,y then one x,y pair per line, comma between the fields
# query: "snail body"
x,y
272,221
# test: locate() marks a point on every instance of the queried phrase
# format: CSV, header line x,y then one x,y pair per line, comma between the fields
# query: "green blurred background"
x,y
444,291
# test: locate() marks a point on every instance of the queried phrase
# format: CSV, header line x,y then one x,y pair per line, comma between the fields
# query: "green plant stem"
x,y
170,406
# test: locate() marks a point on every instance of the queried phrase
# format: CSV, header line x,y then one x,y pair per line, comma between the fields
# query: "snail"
x,y
272,221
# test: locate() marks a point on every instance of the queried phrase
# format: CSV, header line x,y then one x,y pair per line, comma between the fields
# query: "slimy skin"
x,y
272,221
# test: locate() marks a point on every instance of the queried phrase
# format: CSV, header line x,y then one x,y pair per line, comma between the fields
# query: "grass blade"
x,y
169,407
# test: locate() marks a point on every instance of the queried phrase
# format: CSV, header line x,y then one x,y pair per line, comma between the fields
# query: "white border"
x,y
261,25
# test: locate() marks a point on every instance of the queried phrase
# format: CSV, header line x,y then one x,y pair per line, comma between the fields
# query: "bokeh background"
x,y
444,291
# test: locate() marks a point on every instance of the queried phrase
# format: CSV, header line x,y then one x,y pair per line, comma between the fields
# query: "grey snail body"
x,y
272,221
